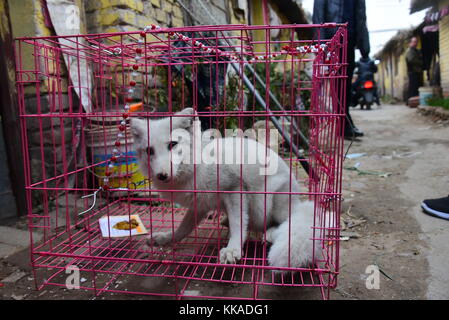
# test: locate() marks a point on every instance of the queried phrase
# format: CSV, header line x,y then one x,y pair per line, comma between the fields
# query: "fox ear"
x,y
138,129
184,119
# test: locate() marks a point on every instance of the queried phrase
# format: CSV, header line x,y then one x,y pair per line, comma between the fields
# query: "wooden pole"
x,y
9,111
266,12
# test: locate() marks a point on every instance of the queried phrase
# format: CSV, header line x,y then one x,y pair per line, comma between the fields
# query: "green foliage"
x,y
283,85
388,99
439,102
280,85
233,99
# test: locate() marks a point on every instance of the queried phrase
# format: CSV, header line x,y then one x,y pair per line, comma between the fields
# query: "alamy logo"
x,y
73,280
208,148
372,282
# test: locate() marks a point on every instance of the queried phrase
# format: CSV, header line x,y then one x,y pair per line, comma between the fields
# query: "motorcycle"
x,y
366,94
364,89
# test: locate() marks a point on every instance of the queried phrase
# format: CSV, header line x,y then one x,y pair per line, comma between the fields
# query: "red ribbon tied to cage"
x,y
285,50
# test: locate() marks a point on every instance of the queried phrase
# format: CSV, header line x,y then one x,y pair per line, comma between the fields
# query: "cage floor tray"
x,y
193,259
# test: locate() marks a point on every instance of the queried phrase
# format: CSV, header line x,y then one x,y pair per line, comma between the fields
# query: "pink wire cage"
x,y
76,97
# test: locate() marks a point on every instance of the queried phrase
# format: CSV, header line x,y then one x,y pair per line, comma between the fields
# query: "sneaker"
x,y
437,207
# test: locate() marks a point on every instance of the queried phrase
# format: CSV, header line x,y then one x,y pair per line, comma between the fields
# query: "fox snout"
x,y
162,177
161,172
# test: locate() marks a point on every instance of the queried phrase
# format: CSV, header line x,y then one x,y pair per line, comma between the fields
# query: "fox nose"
x,y
162,176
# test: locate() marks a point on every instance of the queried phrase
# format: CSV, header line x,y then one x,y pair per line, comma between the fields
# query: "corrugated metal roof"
x,y
418,5
396,44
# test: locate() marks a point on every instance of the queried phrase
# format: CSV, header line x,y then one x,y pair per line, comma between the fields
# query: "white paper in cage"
x,y
108,231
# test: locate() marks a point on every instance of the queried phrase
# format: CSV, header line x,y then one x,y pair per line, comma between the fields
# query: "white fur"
x,y
298,239
243,211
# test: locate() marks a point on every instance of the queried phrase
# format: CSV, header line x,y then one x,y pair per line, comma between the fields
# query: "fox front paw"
x,y
160,238
230,255
269,237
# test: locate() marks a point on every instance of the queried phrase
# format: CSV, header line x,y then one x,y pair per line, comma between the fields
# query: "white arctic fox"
x,y
157,146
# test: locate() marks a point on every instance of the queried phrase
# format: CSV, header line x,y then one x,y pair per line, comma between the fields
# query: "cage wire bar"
x,y
153,74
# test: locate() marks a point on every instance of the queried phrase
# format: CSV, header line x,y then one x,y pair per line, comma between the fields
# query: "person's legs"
x,y
376,95
351,131
355,96
413,85
420,81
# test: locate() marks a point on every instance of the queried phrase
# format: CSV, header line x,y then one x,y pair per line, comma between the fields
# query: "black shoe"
x,y
437,207
353,133
358,132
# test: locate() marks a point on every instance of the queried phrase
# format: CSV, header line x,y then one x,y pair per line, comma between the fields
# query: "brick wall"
x,y
213,12
107,16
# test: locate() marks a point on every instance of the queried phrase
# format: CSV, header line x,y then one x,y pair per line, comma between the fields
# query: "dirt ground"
x,y
409,247
406,160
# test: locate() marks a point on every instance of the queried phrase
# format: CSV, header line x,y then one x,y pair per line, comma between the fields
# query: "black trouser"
x,y
349,123
415,81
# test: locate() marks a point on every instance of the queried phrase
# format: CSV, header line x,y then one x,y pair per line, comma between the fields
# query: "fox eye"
x,y
172,144
150,151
